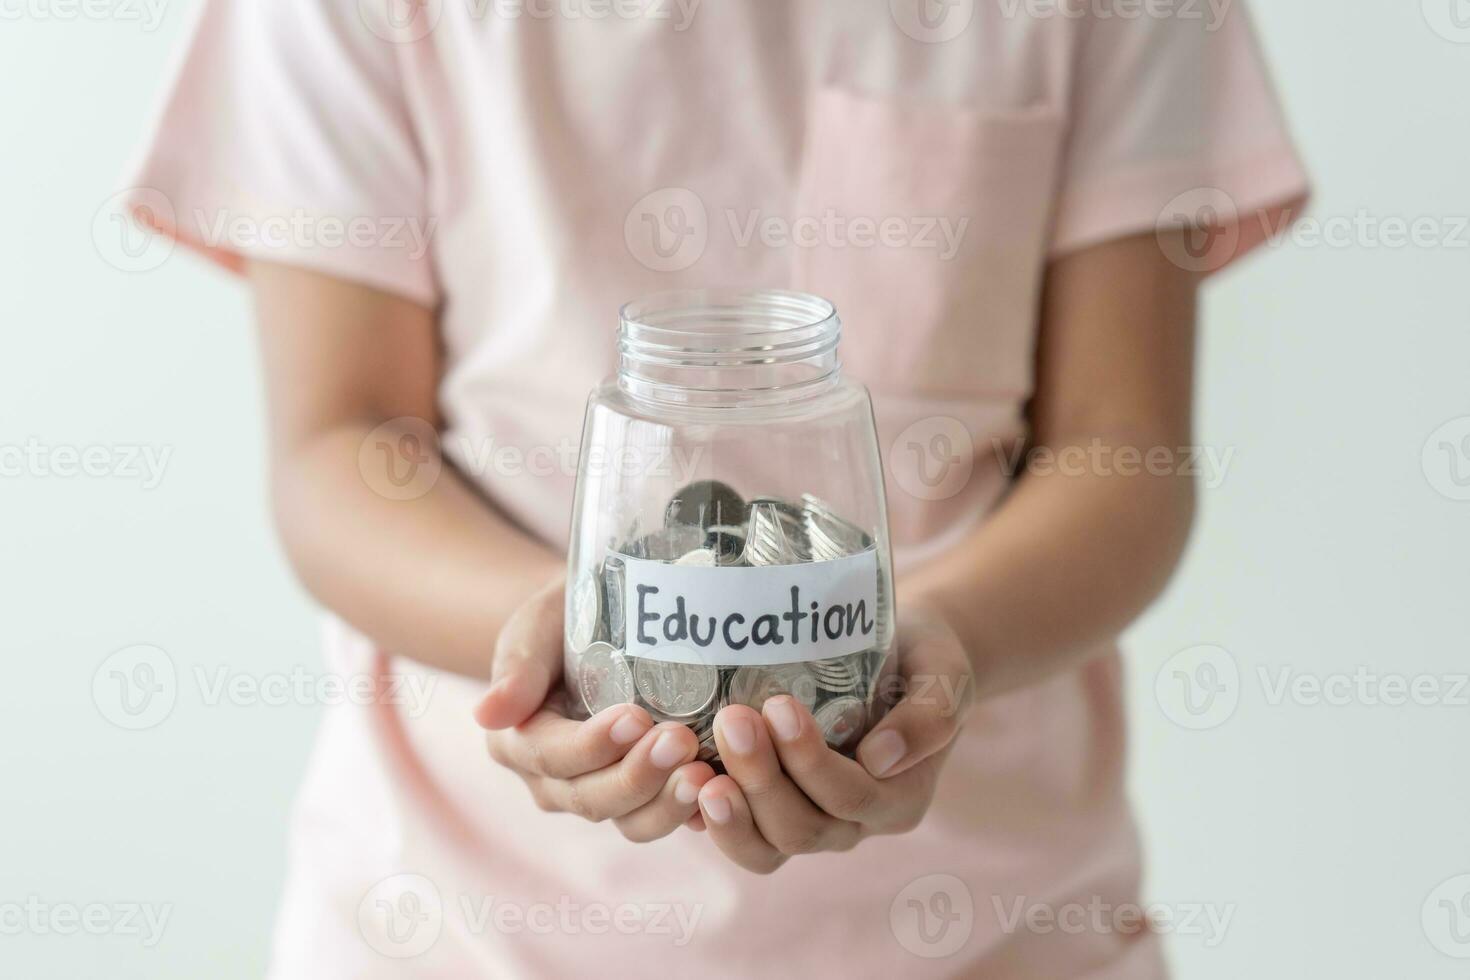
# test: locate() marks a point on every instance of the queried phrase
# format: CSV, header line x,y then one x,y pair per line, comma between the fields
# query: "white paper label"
x,y
771,614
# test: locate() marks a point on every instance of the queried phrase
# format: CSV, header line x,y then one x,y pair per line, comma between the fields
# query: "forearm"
x,y
1065,563
434,578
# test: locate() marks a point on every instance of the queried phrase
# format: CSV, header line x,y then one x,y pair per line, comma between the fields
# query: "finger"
x,y
938,689
840,786
526,663
732,828
790,822
551,744
635,780
696,823
676,804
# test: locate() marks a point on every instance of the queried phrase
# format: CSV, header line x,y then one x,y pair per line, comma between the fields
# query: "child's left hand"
x,y
788,793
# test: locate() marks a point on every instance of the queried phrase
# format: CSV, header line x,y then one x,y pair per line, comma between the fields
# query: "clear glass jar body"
x,y
730,535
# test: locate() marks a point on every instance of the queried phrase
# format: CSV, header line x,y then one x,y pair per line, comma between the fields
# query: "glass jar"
x,y
730,533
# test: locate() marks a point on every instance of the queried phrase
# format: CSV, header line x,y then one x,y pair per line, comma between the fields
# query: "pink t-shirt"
x,y
526,166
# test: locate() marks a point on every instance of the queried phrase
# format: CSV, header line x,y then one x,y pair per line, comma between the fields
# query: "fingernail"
x,y
717,808
739,733
781,713
882,752
627,729
667,752
685,791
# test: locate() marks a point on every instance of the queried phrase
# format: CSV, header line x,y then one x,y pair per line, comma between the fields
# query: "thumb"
x,y
528,658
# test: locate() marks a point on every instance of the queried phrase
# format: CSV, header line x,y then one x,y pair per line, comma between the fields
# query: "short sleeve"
x,y
286,136
1175,123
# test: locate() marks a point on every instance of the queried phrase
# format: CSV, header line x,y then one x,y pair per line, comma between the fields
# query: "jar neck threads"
x,y
727,347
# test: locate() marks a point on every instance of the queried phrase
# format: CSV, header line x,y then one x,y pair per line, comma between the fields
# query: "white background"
x,y
1328,545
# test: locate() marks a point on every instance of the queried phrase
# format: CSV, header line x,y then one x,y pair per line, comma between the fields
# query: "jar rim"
x,y
727,326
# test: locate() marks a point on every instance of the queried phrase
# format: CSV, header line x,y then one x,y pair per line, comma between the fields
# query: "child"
x,y
440,205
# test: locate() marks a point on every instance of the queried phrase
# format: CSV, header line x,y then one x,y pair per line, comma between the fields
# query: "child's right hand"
x,y
616,766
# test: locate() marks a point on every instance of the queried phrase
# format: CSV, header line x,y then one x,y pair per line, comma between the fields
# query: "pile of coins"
x,y
709,524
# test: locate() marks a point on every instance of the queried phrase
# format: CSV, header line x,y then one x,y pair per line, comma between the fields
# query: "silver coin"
x,y
699,558
831,536
667,544
840,675
603,678
885,606
704,504
775,535
584,611
842,721
751,685
676,690
727,541
612,599
709,751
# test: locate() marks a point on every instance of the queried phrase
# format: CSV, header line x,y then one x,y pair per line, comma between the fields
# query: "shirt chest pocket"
x,y
931,229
